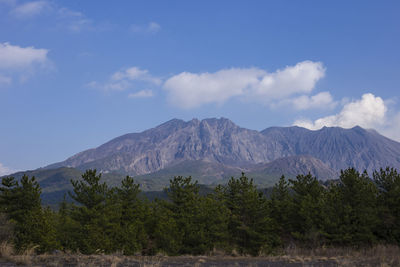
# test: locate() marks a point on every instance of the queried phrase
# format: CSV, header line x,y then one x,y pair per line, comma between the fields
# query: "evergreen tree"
x,y
250,227
66,227
131,233
388,183
281,208
185,205
352,209
90,213
33,226
163,231
307,209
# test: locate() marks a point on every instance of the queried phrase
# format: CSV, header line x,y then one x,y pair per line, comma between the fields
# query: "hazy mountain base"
x,y
56,182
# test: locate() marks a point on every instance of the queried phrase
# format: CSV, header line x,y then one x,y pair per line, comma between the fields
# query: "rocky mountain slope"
x,y
213,150
221,141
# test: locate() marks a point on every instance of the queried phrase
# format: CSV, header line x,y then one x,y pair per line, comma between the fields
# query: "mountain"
x,y
213,140
267,174
337,147
221,141
213,150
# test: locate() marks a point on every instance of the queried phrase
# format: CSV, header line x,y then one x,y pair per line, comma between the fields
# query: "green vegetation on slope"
x,y
354,211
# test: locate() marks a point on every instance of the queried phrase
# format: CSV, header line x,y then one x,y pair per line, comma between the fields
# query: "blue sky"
x,y
75,74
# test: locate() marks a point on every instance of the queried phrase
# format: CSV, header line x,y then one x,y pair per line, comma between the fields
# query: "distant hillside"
x,y
213,150
267,174
337,147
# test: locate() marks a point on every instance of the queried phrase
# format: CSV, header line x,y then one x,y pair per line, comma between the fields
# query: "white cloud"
x,y
126,79
57,16
135,73
323,100
20,61
152,27
73,20
191,90
142,94
367,112
4,170
14,57
30,9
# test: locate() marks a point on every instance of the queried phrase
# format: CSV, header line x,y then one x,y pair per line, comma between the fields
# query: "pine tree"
x,y
307,209
352,210
131,211
250,227
34,226
90,213
388,183
281,208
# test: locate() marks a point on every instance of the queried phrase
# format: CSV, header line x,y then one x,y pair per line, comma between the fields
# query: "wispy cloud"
x,y
142,94
191,90
322,100
60,16
30,9
152,27
5,170
127,78
20,61
73,20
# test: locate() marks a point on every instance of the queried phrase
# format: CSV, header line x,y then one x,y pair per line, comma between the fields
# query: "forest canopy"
x,y
355,210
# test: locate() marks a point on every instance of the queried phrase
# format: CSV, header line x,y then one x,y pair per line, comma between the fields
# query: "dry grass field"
x,y
380,255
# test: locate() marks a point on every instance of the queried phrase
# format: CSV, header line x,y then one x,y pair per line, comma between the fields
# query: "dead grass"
x,y
6,250
380,255
26,257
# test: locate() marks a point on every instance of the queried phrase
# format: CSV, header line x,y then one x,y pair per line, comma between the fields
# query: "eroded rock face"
x,y
221,141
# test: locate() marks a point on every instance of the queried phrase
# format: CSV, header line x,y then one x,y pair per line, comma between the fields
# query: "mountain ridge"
x,y
222,141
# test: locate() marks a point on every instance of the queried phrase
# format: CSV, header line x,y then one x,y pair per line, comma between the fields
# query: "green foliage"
x,y
250,225
281,208
388,183
33,225
352,209
90,215
131,214
193,216
307,209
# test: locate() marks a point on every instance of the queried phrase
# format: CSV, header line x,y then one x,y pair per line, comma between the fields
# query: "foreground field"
x,y
378,256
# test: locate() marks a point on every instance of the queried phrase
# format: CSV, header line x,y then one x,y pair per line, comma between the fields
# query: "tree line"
x,y
356,210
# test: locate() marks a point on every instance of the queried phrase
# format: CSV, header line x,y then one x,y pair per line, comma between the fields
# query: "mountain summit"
x,y
220,141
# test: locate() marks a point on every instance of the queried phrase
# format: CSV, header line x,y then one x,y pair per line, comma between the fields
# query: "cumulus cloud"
x,y
126,79
367,112
142,94
30,9
191,90
20,61
152,27
4,170
14,57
